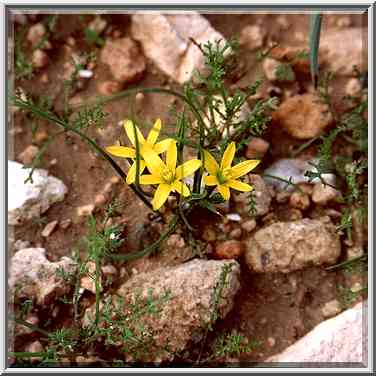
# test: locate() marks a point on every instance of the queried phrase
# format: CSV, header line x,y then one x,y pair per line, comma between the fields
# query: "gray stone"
x,y
165,39
33,276
30,200
288,246
342,339
293,169
190,307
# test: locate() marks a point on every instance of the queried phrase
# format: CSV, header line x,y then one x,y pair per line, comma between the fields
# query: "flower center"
x,y
224,175
168,175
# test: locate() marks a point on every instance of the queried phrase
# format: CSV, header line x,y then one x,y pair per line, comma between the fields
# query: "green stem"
x,y
348,262
31,326
98,288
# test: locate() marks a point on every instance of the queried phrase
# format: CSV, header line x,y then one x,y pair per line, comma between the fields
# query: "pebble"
x,y
36,34
252,37
53,162
236,233
85,73
257,148
271,341
41,136
176,241
234,217
49,228
356,287
39,59
229,249
353,87
109,270
27,156
35,346
322,194
64,224
85,210
115,180
354,252
44,78
299,201
71,41
100,199
21,244
331,308
270,67
109,87
139,98
249,225
209,234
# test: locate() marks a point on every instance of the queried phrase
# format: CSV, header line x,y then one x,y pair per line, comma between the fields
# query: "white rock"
x,y
166,40
85,73
342,339
30,200
294,169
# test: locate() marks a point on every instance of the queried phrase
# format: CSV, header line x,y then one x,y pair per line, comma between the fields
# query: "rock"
x,y
21,244
256,148
261,195
98,24
233,217
85,73
85,210
331,308
125,60
271,341
299,201
191,288
353,87
249,225
30,200
100,199
36,33
27,156
288,246
20,329
340,50
65,223
293,169
32,276
165,39
303,116
230,249
40,59
354,252
209,234
322,194
87,282
109,87
236,233
252,37
40,136
342,339
35,347
283,197
49,228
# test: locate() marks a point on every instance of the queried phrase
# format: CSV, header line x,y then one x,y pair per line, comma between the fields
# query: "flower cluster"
x,y
167,175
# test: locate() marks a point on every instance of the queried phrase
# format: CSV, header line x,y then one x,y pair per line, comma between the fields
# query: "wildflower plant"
x,y
182,165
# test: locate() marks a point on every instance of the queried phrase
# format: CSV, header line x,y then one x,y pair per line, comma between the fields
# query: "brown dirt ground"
x,y
269,308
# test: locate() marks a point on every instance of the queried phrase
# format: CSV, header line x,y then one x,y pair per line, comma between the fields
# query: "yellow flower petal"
x,y
131,176
187,168
181,188
153,162
224,191
171,156
243,168
150,179
121,151
239,186
211,180
162,146
160,196
210,163
228,156
129,129
154,132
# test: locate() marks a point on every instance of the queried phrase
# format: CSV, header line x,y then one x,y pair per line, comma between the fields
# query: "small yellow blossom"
x,y
150,142
224,176
167,175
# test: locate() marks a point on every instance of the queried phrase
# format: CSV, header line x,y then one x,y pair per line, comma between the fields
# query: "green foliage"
x,y
232,344
23,69
92,38
89,116
348,296
284,72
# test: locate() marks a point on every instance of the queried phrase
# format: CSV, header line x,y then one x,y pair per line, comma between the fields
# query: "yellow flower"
x,y
167,175
150,142
224,176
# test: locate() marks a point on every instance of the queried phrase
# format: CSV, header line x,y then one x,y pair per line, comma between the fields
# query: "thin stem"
x,y
348,262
